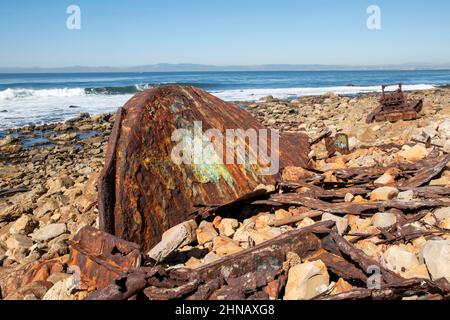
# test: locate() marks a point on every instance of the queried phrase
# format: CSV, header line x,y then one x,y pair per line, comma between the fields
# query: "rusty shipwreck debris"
x,y
261,271
395,107
143,192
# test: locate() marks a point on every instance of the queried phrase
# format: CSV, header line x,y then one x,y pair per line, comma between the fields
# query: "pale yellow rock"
x,y
173,239
442,213
416,153
305,223
24,225
341,286
436,254
419,271
205,232
370,249
383,219
193,263
341,223
444,224
264,221
385,180
442,181
262,235
282,214
306,281
399,259
224,246
228,227
383,194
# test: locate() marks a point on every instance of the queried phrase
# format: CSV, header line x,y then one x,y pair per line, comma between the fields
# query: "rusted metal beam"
x,y
102,258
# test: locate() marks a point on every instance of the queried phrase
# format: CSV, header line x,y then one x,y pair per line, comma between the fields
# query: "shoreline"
x,y
49,192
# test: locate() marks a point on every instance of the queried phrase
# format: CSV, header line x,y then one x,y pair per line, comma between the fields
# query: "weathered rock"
x,y
444,129
341,223
228,227
282,214
142,192
206,232
18,241
436,254
24,225
296,174
16,206
416,153
62,290
370,249
399,260
307,280
46,206
341,287
349,197
224,246
385,180
383,219
419,271
59,184
210,257
173,239
406,195
383,194
49,232
264,234
442,213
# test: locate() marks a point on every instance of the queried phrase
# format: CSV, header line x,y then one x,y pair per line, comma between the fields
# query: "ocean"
x,y
44,98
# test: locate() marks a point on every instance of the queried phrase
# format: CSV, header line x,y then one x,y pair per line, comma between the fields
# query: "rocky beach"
x,y
48,193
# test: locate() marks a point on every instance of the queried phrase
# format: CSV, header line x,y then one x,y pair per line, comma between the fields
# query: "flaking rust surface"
x,y
142,192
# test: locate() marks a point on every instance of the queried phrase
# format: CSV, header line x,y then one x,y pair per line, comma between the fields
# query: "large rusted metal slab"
x,y
143,192
101,258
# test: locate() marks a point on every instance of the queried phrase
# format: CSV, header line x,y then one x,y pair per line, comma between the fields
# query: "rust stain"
x,y
142,192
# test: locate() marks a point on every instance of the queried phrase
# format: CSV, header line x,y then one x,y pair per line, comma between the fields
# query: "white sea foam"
x,y
282,93
14,94
25,106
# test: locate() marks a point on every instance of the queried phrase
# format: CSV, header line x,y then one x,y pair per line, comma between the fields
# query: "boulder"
x,y
444,129
49,232
436,254
406,195
341,223
18,241
419,271
228,227
224,246
416,153
59,184
296,174
385,180
173,239
383,194
399,259
383,219
206,232
62,290
24,225
306,281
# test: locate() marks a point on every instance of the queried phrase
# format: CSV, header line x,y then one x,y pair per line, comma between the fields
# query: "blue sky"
x,y
222,32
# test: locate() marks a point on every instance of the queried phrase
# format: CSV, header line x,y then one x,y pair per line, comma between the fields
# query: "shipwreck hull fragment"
x,y
143,192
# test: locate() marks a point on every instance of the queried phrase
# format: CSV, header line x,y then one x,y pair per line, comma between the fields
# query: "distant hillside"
x,y
184,67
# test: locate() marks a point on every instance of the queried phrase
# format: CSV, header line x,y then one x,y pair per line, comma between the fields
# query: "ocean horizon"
x,y
53,97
